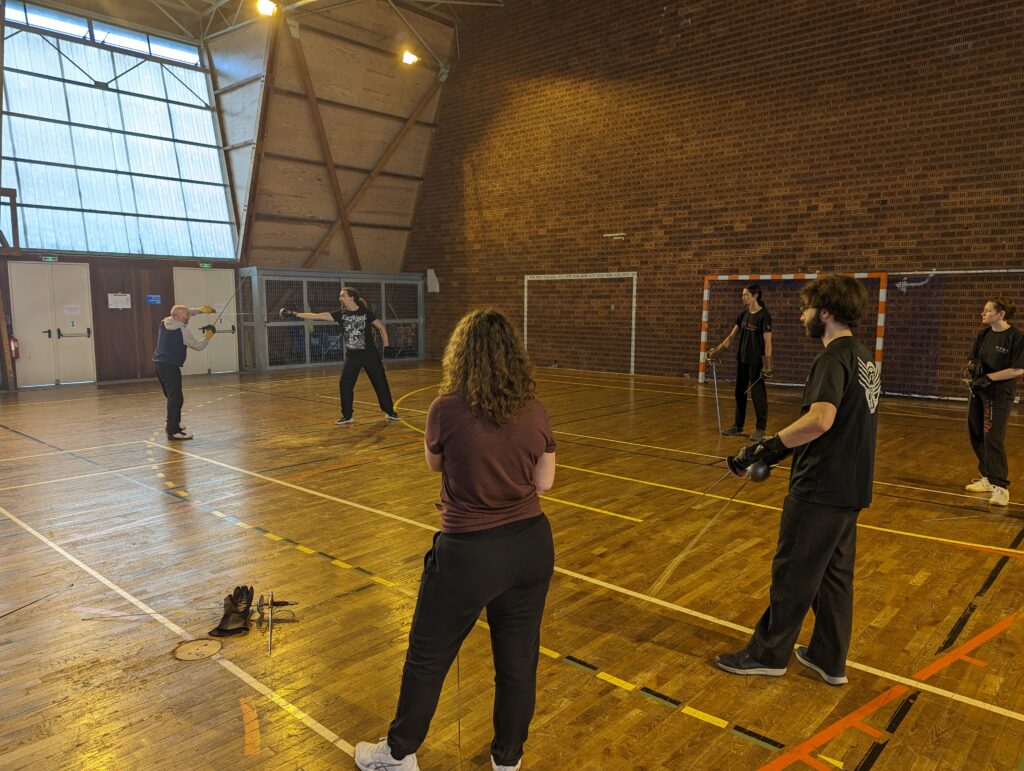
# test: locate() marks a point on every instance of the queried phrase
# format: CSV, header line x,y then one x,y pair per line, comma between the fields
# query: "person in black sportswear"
x,y
997,360
173,339
833,447
753,360
356,318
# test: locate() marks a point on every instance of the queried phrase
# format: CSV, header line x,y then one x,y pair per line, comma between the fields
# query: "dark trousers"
x,y
986,425
370,361
169,376
745,375
812,568
507,572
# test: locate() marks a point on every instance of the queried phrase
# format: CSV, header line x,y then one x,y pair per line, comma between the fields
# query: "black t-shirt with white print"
x,y
752,328
837,468
355,328
997,351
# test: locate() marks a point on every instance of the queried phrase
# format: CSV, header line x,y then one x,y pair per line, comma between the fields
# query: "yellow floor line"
x,y
715,721
590,508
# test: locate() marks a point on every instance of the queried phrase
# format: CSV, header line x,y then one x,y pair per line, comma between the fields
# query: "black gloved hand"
x,y
287,314
758,458
979,384
767,370
972,370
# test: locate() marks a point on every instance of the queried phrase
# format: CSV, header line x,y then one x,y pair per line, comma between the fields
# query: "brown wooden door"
x,y
116,356
151,281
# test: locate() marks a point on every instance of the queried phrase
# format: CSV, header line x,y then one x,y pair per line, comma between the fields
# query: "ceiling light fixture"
x,y
408,57
266,7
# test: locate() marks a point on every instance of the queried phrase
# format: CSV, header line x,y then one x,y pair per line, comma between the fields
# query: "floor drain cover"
x,y
193,650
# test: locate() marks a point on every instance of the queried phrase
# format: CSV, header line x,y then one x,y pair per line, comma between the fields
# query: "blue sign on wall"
x,y
152,299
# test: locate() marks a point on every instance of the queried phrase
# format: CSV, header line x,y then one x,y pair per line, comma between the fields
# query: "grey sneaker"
x,y
343,421
391,416
1000,496
981,485
740,663
733,431
801,656
378,757
495,766
757,436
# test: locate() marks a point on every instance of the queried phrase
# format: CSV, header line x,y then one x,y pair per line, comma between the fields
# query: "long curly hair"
x,y
486,364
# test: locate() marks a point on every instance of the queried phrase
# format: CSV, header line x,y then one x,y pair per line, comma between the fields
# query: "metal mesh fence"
x,y
269,341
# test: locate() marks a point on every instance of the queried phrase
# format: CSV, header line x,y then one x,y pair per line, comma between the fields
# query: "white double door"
x,y
196,287
51,310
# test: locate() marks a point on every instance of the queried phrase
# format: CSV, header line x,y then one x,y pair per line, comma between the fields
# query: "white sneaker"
x,y
1000,496
979,486
496,767
378,757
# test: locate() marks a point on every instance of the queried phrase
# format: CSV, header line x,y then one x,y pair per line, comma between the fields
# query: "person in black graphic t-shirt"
x,y
833,447
753,360
361,352
997,360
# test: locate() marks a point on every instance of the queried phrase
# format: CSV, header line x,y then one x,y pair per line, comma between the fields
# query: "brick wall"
x,y
728,137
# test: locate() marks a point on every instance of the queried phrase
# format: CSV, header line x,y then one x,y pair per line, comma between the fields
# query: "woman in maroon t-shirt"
x,y
492,442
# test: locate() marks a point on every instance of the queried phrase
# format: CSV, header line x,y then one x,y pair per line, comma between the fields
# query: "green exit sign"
x,y
49,258
206,265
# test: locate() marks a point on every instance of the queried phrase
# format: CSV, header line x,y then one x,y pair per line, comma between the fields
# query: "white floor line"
x,y
630,593
234,669
151,464
80,449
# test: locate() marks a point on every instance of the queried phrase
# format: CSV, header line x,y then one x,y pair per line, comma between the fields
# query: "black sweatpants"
x,y
745,375
169,376
812,568
986,425
506,570
370,361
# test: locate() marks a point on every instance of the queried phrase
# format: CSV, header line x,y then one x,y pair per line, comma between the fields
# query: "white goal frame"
x,y
583,277
883,282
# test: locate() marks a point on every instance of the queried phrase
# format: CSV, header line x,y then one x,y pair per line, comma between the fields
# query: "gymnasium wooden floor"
x,y
131,545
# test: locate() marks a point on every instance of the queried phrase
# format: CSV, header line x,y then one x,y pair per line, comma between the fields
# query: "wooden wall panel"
x,y
239,54
374,23
298,235
380,250
356,76
295,189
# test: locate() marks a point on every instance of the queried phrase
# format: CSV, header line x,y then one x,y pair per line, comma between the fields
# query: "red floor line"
x,y
802,752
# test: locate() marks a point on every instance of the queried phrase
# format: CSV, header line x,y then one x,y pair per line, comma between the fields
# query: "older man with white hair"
x,y
173,340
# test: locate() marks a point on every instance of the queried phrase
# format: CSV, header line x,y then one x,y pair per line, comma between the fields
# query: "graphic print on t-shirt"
x,y
870,381
354,327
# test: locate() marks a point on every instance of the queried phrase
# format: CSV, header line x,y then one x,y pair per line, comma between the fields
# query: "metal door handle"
x,y
48,333
86,333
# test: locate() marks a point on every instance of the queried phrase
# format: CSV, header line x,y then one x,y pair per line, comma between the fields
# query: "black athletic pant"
x,y
370,361
745,375
986,425
506,570
169,376
812,568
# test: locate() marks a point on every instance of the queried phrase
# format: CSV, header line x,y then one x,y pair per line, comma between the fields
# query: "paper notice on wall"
x,y
119,300
72,310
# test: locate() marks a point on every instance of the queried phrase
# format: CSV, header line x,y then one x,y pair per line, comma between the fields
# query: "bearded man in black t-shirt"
x,y
833,447
997,360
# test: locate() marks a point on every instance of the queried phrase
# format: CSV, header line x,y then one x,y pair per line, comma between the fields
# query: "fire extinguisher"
x,y
14,347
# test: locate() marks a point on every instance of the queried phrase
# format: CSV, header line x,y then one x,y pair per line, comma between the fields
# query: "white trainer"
x,y
1000,496
980,486
378,757
496,767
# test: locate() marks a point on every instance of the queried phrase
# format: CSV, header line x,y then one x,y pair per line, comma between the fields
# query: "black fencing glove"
x,y
236,613
757,459
979,384
972,370
287,313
